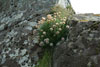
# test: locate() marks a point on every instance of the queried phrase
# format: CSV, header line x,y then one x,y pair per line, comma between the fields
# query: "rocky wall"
x,y
18,42
82,48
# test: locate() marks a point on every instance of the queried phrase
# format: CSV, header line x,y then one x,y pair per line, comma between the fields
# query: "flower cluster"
x,y
52,29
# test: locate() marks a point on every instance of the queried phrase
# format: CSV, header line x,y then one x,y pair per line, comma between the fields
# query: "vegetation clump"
x,y
52,29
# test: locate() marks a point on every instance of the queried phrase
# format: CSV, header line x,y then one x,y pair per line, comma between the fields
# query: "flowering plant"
x,y
52,29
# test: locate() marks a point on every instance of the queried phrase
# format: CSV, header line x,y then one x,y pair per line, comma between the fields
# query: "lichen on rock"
x,y
18,18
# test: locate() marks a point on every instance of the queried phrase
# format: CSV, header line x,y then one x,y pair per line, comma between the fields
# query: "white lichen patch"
x,y
3,59
18,16
23,52
13,55
25,42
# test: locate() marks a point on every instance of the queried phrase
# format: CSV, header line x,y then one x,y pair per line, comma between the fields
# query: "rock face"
x,y
18,18
82,49
63,3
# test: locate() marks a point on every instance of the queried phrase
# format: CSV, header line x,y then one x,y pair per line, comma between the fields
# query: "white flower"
x,y
67,26
51,29
63,22
65,17
44,33
55,13
43,18
57,32
37,26
55,16
46,40
51,44
41,43
60,29
49,16
59,12
54,19
54,25
41,22
57,24
62,38
48,20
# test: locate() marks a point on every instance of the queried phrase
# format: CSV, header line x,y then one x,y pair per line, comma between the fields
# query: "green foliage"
x,y
53,30
57,8
46,60
65,12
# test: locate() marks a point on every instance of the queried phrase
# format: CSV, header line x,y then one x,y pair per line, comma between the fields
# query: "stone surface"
x,y
63,3
82,49
18,18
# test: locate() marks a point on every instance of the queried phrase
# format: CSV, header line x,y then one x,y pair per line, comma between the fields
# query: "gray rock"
x,y
18,45
63,3
2,27
83,45
32,24
28,28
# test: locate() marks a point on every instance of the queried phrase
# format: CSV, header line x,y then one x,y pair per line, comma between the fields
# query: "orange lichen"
x,y
84,20
96,14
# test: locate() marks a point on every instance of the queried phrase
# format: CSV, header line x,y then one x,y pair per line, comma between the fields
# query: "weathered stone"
x,y
10,63
2,27
18,44
83,45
